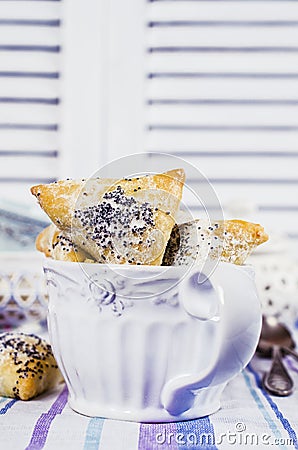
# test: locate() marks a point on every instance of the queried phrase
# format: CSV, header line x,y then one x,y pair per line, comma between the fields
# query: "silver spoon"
x,y
276,340
275,333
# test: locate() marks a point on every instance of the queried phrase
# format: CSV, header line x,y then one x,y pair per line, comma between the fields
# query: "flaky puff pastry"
x,y
57,244
116,221
27,366
229,241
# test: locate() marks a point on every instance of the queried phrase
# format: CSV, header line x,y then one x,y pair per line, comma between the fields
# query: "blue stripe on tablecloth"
x,y
157,436
285,423
7,406
261,407
93,433
197,434
43,423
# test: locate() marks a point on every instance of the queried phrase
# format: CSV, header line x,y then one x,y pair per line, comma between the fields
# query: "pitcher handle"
x,y
204,301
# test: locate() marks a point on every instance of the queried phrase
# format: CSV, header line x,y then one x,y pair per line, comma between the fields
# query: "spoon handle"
x,y
277,381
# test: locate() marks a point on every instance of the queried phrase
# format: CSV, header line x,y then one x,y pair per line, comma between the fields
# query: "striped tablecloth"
x,y
248,418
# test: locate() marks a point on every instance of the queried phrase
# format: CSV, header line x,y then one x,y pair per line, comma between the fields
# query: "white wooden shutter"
x,y
214,82
29,97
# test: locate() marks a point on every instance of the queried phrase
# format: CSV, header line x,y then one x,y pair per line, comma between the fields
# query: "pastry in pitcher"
x,y
57,244
227,240
116,221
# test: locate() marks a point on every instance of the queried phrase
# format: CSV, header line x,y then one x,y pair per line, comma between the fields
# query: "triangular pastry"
x,y
116,221
27,366
197,241
57,244
60,199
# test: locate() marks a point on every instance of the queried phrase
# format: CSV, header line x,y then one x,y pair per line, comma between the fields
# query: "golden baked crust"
x,y
27,366
44,240
58,245
229,241
59,199
116,221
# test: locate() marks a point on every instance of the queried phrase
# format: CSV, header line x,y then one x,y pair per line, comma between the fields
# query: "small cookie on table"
x,y
27,366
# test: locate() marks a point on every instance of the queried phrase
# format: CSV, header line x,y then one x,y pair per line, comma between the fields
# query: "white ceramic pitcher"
x,y
150,344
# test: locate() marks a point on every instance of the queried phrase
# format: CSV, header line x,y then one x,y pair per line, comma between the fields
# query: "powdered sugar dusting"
x,y
201,240
120,226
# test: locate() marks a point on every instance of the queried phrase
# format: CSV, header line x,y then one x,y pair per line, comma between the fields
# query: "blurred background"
x,y
213,82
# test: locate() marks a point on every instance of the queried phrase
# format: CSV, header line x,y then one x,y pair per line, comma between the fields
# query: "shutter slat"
x,y
270,195
227,115
281,168
13,167
163,140
223,10
9,113
161,36
14,9
222,88
28,140
219,62
28,35
27,61
15,87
